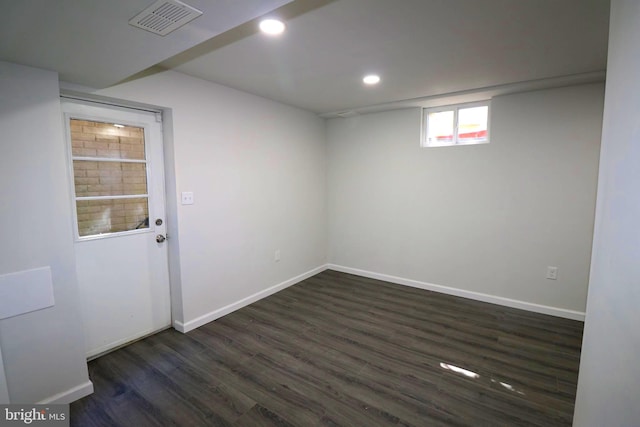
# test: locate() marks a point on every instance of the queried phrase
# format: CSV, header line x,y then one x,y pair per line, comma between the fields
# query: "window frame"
x,y
74,198
455,108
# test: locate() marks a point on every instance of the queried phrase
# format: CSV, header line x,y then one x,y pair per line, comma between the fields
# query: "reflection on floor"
x,y
343,350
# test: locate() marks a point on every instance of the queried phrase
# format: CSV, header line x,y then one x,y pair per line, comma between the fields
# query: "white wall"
x,y
487,218
609,382
4,391
258,172
43,351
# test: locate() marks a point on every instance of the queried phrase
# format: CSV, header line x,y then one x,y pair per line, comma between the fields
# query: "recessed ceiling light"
x,y
371,79
273,27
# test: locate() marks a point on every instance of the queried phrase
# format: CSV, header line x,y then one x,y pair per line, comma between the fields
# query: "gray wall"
x,y
487,218
43,351
609,382
258,172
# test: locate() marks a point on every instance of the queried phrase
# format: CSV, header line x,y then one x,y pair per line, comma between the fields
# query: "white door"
x,y
117,175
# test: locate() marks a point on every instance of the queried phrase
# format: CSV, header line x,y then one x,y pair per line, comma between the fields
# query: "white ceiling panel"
x,y
90,42
419,48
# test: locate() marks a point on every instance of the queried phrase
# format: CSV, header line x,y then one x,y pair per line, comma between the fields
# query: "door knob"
x,y
160,238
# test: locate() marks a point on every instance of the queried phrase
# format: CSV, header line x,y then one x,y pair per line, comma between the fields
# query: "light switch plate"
x,y
187,197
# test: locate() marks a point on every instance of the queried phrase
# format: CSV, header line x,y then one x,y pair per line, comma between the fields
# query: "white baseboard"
x,y
71,395
523,305
206,318
538,308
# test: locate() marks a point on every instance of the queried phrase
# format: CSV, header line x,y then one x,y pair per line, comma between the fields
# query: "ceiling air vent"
x,y
165,16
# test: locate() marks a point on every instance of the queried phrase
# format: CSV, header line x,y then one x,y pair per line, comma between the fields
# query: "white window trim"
x,y
70,158
455,108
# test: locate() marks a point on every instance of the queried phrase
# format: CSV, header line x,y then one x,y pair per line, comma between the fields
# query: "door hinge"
x,y
158,117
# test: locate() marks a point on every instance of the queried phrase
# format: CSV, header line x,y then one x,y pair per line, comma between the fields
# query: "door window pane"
x,y
108,140
440,128
109,166
472,124
112,215
93,178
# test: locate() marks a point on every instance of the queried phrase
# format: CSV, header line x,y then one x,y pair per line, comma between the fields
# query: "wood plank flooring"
x,y
342,350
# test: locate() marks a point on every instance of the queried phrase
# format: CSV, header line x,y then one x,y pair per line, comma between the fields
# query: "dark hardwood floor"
x,y
341,350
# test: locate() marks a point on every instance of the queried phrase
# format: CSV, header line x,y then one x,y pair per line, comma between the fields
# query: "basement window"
x,y
460,124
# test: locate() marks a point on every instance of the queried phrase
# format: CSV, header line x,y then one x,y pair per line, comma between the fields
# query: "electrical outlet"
x,y
276,255
552,273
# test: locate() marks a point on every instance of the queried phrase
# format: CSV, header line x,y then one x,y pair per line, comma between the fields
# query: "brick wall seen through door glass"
x,y
110,177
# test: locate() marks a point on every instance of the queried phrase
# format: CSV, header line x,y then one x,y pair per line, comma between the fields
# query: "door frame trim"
x,y
108,102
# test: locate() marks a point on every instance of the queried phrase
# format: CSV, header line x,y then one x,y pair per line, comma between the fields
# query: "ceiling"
x,y
420,48
90,42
